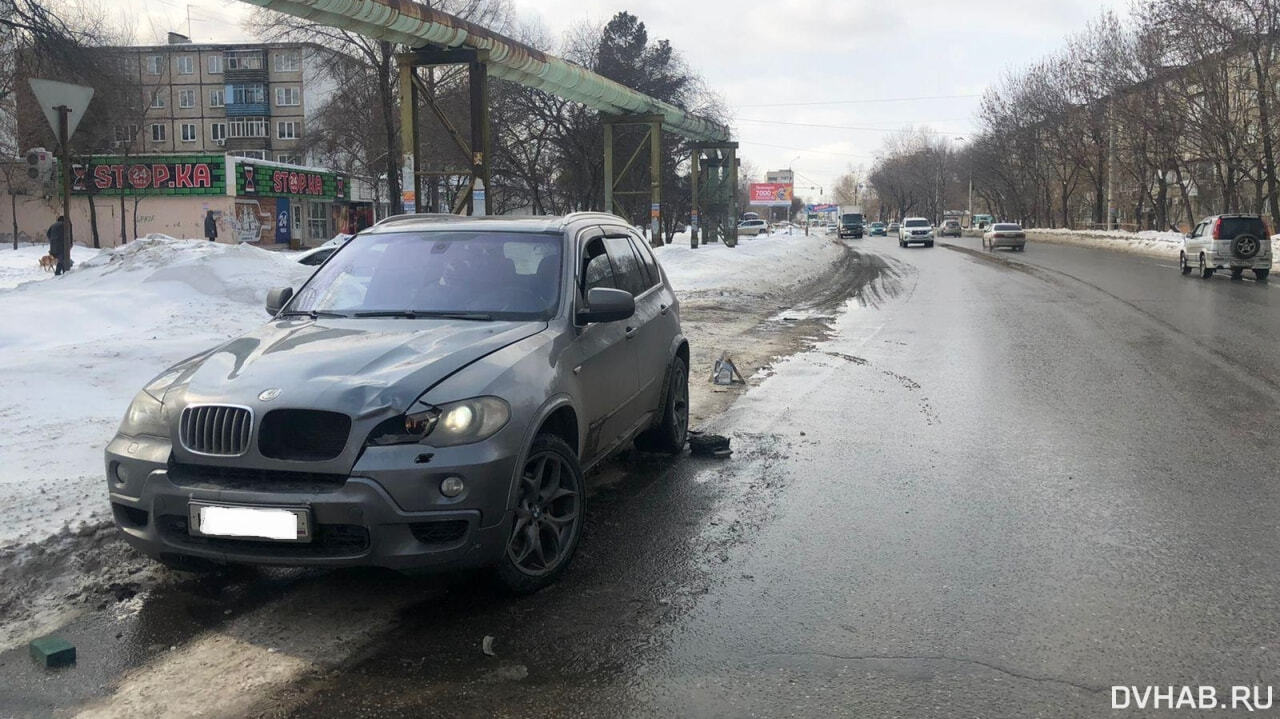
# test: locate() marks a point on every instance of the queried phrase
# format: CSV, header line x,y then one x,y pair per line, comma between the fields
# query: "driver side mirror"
x,y
277,298
605,304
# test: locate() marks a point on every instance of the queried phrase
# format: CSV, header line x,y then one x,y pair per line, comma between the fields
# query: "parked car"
x,y
317,255
915,229
1228,242
1005,234
851,225
428,399
751,228
877,229
950,228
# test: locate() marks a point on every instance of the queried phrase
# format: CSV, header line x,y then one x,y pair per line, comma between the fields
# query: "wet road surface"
x,y
1005,484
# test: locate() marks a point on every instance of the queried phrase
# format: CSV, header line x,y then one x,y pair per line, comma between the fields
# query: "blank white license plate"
x,y
281,524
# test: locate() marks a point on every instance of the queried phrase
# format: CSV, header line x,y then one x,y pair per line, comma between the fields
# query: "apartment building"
x,y
247,100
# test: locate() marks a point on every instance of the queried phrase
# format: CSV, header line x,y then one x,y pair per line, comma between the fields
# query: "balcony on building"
x,y
244,99
244,66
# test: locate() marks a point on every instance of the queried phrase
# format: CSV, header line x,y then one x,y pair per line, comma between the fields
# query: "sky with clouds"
x,y
813,85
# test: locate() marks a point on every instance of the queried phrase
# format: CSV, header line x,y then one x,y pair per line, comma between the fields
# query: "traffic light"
x,y
39,164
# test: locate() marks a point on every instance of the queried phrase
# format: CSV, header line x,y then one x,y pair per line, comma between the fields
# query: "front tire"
x,y
671,433
1183,265
547,523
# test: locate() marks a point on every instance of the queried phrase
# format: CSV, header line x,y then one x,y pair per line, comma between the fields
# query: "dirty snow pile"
x,y
758,265
75,349
1166,244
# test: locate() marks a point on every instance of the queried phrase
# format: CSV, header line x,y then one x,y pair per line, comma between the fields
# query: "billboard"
x,y
254,180
175,175
769,194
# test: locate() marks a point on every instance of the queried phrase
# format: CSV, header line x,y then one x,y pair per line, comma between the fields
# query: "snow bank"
x,y
1164,244
758,265
75,349
23,264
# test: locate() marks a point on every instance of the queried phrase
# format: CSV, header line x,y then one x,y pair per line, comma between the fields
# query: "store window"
x,y
318,219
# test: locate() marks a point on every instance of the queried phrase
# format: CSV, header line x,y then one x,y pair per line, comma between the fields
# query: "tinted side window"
x,y
646,259
596,270
626,267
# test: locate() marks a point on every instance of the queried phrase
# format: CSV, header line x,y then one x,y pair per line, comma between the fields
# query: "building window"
x,y
217,98
250,60
288,159
288,96
158,132
318,219
126,133
188,132
186,98
288,61
218,131
155,64
186,65
247,127
286,130
246,94
157,98
252,154
215,64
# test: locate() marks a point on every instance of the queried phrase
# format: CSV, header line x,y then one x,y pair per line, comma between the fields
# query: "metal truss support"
x,y
714,185
476,150
652,140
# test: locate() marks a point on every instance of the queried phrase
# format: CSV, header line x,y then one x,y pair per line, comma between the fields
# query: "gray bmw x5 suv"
x,y
429,399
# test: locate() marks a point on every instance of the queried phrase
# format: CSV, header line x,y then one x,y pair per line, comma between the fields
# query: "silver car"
x,y
1005,234
429,398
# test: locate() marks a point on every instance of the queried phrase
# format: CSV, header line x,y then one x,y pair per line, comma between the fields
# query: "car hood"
x,y
357,367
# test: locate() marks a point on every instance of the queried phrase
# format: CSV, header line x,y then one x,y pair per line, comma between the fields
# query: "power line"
x,y
863,102
851,127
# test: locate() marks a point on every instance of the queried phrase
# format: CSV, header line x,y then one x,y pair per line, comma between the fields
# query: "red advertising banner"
x,y
770,194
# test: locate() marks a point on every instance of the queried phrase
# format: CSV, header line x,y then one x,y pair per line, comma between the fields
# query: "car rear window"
x,y
1233,227
1003,227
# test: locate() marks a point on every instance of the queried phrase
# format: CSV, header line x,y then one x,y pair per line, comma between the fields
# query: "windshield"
x,y
498,275
852,218
917,223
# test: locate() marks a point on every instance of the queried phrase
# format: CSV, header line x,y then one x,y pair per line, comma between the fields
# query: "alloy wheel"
x,y
547,514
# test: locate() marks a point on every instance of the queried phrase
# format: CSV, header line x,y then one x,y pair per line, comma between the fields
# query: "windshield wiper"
x,y
420,314
313,314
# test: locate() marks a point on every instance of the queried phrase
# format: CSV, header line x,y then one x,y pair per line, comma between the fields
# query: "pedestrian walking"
x,y
210,226
57,235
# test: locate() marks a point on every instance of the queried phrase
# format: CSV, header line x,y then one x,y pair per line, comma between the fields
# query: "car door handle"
x,y
631,332
662,309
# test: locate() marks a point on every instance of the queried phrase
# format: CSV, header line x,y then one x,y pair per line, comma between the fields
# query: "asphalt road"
x,y
1011,483
1006,483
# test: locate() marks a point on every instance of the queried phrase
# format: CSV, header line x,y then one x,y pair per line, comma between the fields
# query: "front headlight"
x,y
452,424
144,417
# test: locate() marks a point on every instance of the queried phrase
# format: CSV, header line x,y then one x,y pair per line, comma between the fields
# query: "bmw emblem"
x,y
269,394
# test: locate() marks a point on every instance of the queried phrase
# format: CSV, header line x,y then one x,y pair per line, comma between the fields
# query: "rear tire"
x,y
1205,271
1183,265
548,519
1237,273
671,433
1261,275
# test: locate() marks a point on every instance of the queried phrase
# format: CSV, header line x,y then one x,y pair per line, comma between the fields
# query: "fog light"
x,y
119,473
451,486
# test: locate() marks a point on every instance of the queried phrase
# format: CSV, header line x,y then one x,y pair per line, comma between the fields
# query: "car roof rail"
x,y
594,214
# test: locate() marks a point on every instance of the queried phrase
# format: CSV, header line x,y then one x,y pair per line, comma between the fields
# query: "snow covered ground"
x,y
74,350
1148,242
757,265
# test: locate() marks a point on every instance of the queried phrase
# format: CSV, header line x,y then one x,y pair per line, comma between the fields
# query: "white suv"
x,y
915,229
1228,242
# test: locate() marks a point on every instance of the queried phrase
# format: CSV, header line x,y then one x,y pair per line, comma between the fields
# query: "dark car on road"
x,y
877,229
428,399
851,225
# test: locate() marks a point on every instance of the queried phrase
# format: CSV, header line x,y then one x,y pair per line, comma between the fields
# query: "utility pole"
x,y
1111,163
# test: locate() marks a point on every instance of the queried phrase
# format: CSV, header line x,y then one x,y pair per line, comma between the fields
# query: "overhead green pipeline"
x,y
416,25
